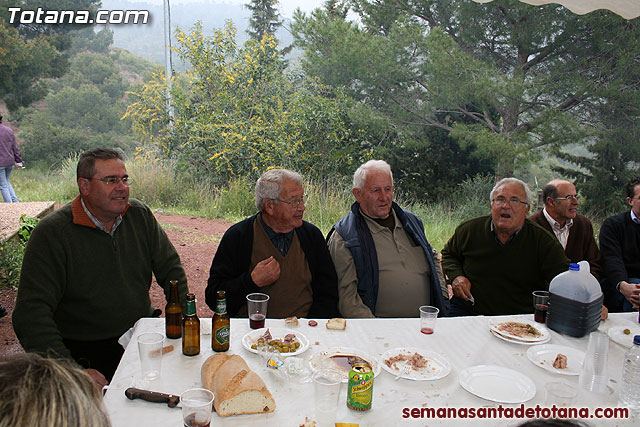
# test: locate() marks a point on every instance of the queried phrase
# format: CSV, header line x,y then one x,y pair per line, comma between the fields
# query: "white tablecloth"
x,y
464,341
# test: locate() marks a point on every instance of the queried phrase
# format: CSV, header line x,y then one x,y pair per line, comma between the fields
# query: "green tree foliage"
x,y
497,77
83,111
237,114
23,65
30,53
611,69
376,69
264,19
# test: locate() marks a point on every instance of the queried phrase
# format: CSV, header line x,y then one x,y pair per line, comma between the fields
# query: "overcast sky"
x,y
286,7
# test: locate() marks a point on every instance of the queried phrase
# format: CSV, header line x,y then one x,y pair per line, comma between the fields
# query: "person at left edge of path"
x,y
277,253
87,269
496,261
9,156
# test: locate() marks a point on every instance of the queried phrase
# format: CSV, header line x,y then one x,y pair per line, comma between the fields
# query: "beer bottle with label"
x,y
173,312
191,328
220,330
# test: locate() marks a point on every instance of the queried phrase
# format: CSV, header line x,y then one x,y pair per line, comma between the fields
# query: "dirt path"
x,y
195,239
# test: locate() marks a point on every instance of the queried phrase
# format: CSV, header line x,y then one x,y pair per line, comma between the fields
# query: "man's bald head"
x,y
560,200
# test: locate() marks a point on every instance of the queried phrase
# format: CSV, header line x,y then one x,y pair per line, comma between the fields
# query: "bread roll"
x,y
336,323
236,388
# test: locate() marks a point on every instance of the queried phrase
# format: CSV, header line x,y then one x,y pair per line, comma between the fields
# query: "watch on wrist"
x,y
618,286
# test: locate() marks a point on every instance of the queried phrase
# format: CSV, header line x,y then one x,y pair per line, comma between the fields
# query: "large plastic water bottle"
x,y
630,390
577,284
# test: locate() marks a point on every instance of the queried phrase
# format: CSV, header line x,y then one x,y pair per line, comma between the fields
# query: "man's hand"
x,y
605,313
461,287
99,379
266,272
631,292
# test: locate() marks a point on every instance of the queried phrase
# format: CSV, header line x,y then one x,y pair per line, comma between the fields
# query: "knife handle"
x,y
152,396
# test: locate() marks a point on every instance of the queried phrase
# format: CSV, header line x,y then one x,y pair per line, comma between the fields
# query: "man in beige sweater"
x,y
384,262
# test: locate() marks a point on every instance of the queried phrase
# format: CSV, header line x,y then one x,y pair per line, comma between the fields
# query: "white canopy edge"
x,y
628,9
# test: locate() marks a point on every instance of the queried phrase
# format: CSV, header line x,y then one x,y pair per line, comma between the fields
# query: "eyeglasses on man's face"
x,y
114,180
514,201
570,198
293,203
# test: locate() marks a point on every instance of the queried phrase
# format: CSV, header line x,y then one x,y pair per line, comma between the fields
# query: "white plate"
x,y
493,325
544,355
252,336
497,384
617,335
517,341
322,360
437,365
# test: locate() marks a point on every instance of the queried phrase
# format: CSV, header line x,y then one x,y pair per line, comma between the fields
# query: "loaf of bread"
x,y
236,388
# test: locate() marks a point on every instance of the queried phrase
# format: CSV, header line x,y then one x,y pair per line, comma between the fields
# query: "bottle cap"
x,y
574,267
636,340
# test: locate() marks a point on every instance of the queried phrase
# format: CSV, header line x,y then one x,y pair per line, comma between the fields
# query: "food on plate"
x,y
288,344
337,323
237,389
308,422
521,330
560,362
291,321
346,361
313,323
627,332
415,360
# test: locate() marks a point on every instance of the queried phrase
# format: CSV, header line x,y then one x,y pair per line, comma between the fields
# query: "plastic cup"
x,y
560,394
326,384
540,306
257,309
196,407
593,376
150,349
428,316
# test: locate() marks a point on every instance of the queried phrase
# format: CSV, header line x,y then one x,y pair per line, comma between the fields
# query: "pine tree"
x,y
264,18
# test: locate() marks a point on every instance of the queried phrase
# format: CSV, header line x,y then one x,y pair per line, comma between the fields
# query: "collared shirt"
x,y
97,222
510,238
282,241
634,218
562,233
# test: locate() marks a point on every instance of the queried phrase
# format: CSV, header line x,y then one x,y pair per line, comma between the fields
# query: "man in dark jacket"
x,y
574,231
385,265
277,253
620,246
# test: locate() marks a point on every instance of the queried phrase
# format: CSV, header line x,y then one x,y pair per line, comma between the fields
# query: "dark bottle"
x,y
191,328
173,312
220,330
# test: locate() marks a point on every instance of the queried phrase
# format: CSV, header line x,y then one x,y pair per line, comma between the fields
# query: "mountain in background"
x,y
147,40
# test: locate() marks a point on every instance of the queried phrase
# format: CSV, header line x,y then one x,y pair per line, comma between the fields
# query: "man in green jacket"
x,y
87,269
496,261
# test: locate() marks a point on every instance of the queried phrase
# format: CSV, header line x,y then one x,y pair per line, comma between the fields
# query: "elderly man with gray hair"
x,y
496,261
277,253
385,265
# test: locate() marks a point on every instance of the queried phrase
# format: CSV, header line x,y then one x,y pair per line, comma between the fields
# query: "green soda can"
x,y
360,388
